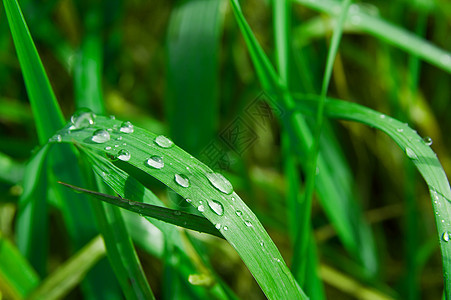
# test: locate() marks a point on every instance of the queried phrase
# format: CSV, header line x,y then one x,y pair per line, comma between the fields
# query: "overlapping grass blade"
x,y
388,32
192,104
17,277
226,210
343,211
71,273
418,151
172,216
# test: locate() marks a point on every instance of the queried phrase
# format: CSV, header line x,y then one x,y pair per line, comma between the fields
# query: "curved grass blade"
x,y
71,273
418,151
392,34
213,197
172,216
17,277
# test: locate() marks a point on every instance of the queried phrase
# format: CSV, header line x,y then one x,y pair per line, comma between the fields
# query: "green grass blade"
x,y
71,273
419,152
31,222
303,237
172,216
17,277
335,193
49,117
193,73
390,33
10,171
237,223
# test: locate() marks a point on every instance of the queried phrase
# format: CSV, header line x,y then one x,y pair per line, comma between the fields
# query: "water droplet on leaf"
x,y
81,119
100,136
127,127
239,213
220,183
218,226
201,208
225,228
163,141
124,155
107,148
155,162
216,206
181,180
446,236
248,223
427,141
411,154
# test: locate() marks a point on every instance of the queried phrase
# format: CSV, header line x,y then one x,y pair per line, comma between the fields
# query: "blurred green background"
x,y
182,68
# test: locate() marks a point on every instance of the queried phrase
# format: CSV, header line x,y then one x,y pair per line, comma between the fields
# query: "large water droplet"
x,y
411,154
163,141
123,155
126,127
427,141
100,136
155,162
216,206
446,236
220,183
81,119
181,180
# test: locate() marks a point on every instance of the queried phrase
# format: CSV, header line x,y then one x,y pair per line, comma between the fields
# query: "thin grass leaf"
x,y
17,277
31,223
172,216
387,32
418,150
58,284
213,197
48,117
335,193
10,171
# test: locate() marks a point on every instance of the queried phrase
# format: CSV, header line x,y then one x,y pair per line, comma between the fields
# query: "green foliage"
x,y
311,207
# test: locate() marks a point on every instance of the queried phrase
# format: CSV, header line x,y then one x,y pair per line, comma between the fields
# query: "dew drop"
x,y
155,162
119,138
411,154
382,116
127,127
262,244
100,136
107,148
189,200
181,180
81,119
239,213
233,198
446,236
201,208
115,146
216,206
225,228
124,155
56,138
163,141
220,183
399,130
112,117
427,141
218,226
248,223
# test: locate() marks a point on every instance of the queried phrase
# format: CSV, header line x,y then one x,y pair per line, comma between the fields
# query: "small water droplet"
x,y
427,141
181,180
124,155
189,200
119,138
107,148
382,116
201,208
399,130
446,236
220,183
109,129
218,226
155,162
216,206
100,136
115,146
443,221
112,117
262,244
81,119
233,198
225,228
56,138
248,223
239,213
124,144
411,154
163,141
127,127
